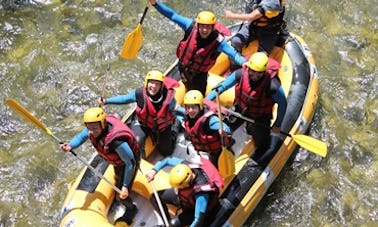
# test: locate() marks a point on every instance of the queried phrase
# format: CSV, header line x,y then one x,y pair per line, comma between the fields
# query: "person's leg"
x,y
241,37
165,144
200,83
260,132
183,219
275,143
140,135
131,209
238,42
167,196
267,39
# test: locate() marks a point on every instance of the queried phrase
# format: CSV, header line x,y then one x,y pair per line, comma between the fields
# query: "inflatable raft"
x,y
90,200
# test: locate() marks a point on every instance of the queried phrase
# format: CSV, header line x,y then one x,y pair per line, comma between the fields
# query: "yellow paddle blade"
x,y
311,144
132,43
24,113
226,163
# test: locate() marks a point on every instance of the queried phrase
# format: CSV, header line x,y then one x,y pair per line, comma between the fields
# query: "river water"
x,y
53,57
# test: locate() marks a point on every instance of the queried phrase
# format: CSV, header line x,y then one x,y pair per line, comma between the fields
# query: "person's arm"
x,y
200,209
172,105
215,126
280,98
268,8
230,81
252,16
126,154
226,48
169,161
79,139
122,99
183,22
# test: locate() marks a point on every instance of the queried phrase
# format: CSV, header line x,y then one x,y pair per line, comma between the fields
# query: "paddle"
x,y
309,143
133,41
226,162
165,219
28,116
106,80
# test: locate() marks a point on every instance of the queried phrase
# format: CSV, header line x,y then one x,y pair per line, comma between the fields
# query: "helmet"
x,y
95,114
181,176
194,97
206,17
154,75
258,62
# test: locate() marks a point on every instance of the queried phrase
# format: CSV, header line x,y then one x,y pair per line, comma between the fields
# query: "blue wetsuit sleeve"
x,y
214,125
230,81
169,161
280,98
126,154
122,99
200,207
79,138
183,22
180,111
226,48
172,106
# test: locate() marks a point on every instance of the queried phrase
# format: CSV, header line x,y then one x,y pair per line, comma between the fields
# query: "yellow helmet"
x,y
258,62
95,114
153,75
206,17
181,176
194,97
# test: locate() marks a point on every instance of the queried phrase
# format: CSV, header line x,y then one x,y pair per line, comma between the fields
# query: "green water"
x,y
53,58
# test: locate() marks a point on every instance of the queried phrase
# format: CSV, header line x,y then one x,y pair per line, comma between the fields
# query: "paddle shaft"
x,y
106,81
250,120
311,144
27,115
165,219
144,13
220,118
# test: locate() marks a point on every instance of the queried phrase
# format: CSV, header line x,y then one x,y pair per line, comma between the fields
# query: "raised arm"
x,y
183,22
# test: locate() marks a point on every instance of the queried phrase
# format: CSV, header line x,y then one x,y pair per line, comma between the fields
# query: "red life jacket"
x,y
157,120
214,182
118,131
198,59
256,101
201,141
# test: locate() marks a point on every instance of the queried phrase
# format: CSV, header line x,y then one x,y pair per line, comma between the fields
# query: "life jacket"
x,y
199,59
117,131
201,140
149,116
206,172
258,101
271,18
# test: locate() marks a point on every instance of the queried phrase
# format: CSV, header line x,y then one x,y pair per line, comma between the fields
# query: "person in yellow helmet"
x,y
155,112
202,126
196,186
117,145
266,24
257,89
203,41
